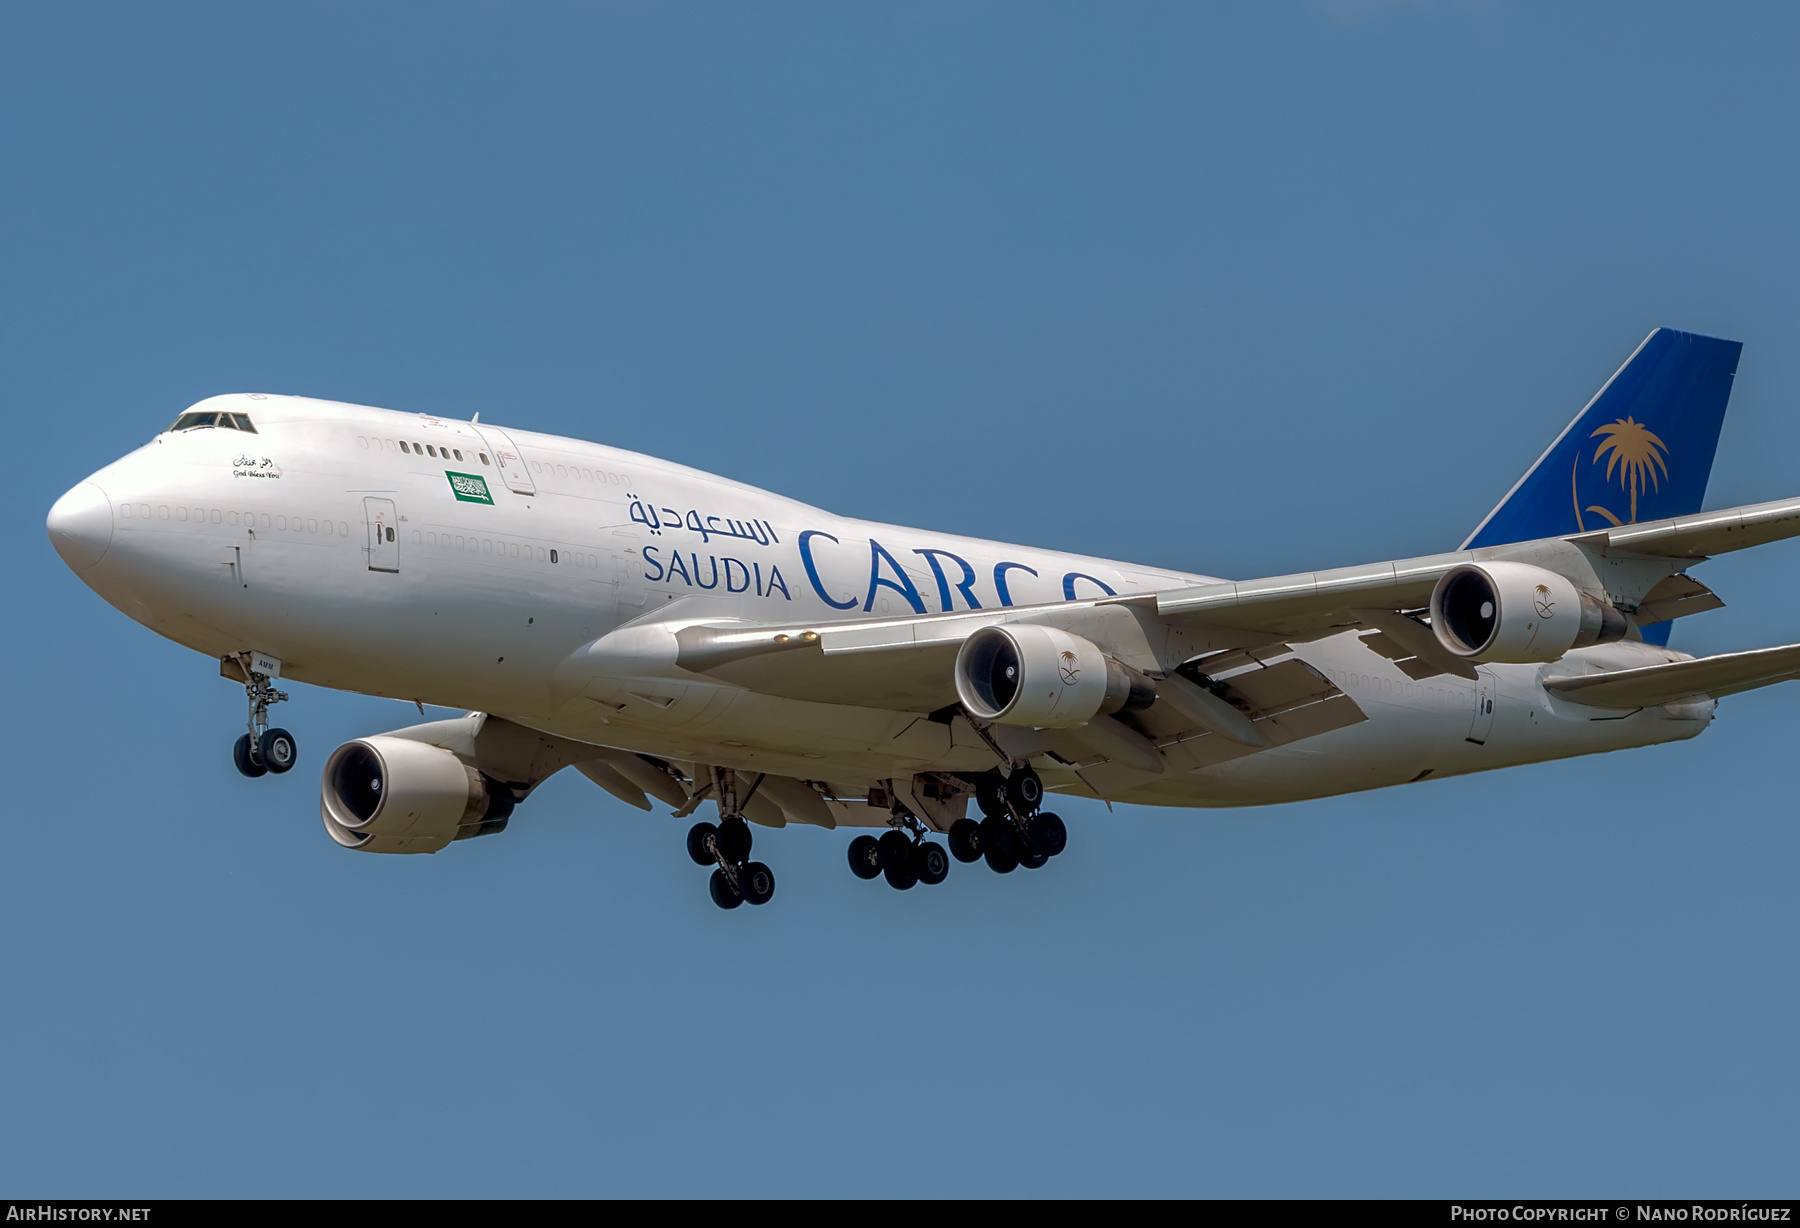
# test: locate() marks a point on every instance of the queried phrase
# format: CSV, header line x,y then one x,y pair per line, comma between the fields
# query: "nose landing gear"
x,y
262,749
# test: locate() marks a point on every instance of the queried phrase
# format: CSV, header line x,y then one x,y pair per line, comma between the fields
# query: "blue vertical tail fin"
x,y
1641,450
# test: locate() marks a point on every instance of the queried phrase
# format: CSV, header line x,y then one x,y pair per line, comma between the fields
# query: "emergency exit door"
x,y
384,534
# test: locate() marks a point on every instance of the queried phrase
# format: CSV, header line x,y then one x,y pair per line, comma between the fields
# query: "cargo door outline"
x,y
1481,721
508,461
383,521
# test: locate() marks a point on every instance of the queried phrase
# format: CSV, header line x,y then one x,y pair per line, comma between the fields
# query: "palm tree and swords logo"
x,y
1632,451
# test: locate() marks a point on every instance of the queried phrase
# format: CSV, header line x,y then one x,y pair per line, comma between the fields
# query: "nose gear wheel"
x,y
261,749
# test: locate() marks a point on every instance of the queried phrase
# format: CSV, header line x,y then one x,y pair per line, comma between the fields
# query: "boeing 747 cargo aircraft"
x,y
681,638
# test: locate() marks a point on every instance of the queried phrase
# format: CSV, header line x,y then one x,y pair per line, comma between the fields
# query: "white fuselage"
x,y
279,541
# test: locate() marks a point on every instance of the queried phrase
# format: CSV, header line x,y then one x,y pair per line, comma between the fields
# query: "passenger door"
x,y
384,533
1487,690
629,587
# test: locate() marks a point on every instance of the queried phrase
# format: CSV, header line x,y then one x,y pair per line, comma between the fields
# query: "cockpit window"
x,y
231,422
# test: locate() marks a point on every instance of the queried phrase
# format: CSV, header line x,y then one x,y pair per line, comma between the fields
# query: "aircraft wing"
x,y
1713,677
905,663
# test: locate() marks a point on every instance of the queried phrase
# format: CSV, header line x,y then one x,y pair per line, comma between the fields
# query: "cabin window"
x,y
484,459
553,555
457,452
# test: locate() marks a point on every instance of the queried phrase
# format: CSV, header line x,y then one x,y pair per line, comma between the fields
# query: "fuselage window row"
x,y
575,471
251,520
435,451
484,545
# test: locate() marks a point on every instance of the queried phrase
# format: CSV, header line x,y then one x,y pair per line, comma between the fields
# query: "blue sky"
x,y
1240,290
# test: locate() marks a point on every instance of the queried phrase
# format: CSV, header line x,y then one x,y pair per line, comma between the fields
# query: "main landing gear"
x,y
902,854
1012,833
726,845
263,749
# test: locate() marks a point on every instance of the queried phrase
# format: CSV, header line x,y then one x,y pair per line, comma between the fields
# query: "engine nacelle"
x,y
1516,612
1026,675
388,794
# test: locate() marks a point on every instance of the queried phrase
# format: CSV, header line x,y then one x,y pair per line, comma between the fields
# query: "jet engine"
x,y
1025,675
387,794
1519,613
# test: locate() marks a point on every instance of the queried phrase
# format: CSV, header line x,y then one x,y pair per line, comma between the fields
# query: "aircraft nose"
x,y
81,526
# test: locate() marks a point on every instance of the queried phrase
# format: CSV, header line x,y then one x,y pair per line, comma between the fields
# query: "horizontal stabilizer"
x,y
1714,677
1703,533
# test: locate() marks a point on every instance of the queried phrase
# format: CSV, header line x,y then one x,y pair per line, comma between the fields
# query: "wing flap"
x,y
1713,677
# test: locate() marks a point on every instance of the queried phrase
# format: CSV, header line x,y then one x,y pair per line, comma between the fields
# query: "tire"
x,y
896,850
1025,791
278,750
933,863
990,795
865,857
997,846
1049,834
901,875
997,835
1031,859
1000,861
759,883
734,838
244,755
700,841
723,893
965,840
